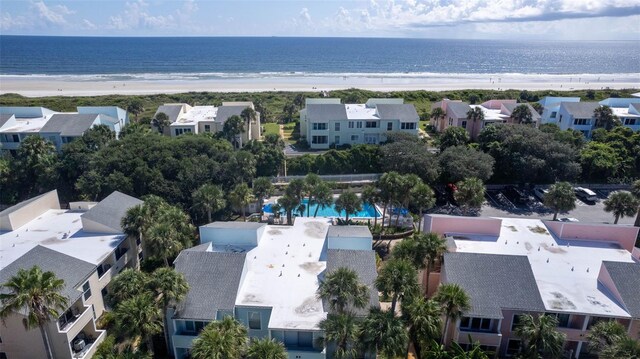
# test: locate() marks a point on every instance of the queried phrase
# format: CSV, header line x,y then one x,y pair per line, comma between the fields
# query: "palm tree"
x,y
163,241
423,317
349,202
431,246
342,289
470,194
404,196
560,198
322,196
266,349
437,114
605,334
371,196
388,184
457,352
262,189
36,164
341,330
626,347
161,121
36,294
522,114
604,117
139,316
240,197
422,197
311,181
126,285
383,333
135,107
540,336
635,190
249,116
180,221
232,129
621,203
209,198
474,116
138,218
169,286
397,278
288,203
454,301
221,339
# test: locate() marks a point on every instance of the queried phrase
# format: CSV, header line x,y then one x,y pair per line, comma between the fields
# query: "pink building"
x,y
581,273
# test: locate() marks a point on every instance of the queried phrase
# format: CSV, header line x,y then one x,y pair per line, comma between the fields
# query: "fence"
x,y
356,178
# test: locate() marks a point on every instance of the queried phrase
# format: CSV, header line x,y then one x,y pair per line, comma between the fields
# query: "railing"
x,y
345,178
485,338
90,346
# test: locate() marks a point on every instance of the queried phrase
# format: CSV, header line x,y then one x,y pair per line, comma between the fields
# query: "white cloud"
x,y
88,25
54,15
304,16
136,16
8,22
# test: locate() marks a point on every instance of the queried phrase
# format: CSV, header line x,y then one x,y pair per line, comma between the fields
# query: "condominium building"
x,y
627,110
266,277
494,111
207,119
551,107
16,123
580,273
85,247
327,122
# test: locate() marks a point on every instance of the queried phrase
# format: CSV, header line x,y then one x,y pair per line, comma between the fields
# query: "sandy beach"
x,y
38,86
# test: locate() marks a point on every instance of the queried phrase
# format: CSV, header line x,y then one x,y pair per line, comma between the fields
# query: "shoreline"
x,y
93,85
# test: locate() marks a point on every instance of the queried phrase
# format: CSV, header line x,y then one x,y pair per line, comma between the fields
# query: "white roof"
x,y
282,273
623,112
59,230
33,124
566,272
195,115
490,114
361,112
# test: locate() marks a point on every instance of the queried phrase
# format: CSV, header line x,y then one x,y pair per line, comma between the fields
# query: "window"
x,y
319,140
372,124
563,319
337,126
475,324
3,355
319,126
513,347
389,126
354,137
515,322
305,339
294,339
207,128
560,120
554,114
351,124
408,126
254,320
16,138
630,121
190,326
359,124
86,290
93,309
595,320
337,140
104,292
450,122
581,121
463,124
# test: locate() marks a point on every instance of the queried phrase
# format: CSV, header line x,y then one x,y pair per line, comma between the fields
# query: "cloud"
x,y
304,16
54,15
8,22
88,25
136,16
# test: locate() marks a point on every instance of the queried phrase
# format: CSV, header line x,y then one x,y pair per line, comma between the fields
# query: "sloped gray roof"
x,y
69,124
4,118
402,112
172,111
235,224
110,211
72,270
17,206
626,277
214,280
494,282
459,109
511,106
363,263
349,231
326,112
636,106
580,109
224,112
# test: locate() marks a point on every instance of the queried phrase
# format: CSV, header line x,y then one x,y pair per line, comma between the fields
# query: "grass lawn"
x,y
289,129
271,128
423,125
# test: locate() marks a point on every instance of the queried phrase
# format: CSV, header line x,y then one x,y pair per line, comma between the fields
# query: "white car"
x,y
568,219
585,194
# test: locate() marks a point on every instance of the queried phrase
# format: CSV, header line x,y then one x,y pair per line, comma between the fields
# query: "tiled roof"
x,y
110,211
326,112
459,109
224,112
235,224
487,278
580,109
404,112
363,263
69,124
349,231
172,111
626,278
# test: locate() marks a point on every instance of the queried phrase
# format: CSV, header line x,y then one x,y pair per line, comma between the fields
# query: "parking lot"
x,y
497,204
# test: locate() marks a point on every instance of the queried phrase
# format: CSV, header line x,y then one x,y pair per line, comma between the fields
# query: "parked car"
x,y
568,219
585,194
540,193
516,195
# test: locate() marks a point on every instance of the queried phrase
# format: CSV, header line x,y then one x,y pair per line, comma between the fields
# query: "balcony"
x,y
120,251
90,345
484,338
573,334
76,314
102,269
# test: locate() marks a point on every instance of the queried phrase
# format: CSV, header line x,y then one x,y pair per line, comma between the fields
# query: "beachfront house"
x,y
16,123
577,116
626,109
327,122
184,118
266,277
494,111
84,246
581,273
551,107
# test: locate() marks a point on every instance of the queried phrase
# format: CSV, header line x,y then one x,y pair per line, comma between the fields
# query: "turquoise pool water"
x,y
329,211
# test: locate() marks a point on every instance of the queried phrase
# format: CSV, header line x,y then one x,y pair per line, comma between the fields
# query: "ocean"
x,y
194,58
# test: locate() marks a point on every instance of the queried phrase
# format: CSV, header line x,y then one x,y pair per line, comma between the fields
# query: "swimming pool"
x,y
367,211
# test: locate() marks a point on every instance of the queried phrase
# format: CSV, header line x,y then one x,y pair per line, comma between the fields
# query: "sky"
x,y
459,19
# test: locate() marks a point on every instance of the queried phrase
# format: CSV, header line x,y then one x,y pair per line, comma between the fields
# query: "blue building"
x,y
266,277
